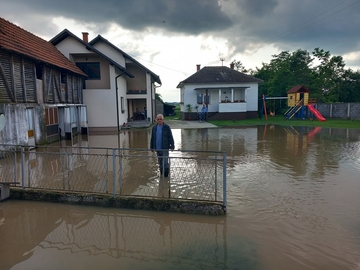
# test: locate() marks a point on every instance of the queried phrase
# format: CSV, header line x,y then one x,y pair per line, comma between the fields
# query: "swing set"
x,y
272,108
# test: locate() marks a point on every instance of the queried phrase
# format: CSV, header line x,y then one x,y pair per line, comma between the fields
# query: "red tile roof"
x,y
17,40
298,89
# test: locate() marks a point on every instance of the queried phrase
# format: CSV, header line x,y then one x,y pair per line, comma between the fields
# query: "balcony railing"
x,y
136,92
229,101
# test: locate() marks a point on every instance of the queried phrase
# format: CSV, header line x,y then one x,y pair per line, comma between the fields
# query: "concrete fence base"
x,y
339,110
127,202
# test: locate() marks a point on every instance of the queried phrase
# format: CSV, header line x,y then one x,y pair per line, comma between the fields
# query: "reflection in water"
x,y
293,203
87,235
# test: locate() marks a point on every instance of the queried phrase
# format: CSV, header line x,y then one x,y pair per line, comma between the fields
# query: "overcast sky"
x,y
170,37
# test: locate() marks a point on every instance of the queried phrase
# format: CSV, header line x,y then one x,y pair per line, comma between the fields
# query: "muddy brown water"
x,y
293,203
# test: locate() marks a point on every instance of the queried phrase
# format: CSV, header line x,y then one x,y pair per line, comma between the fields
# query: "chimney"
x,y
197,67
232,65
85,37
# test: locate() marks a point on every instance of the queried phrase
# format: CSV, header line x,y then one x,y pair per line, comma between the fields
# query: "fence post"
x,y
114,172
169,177
216,180
15,174
22,168
331,110
69,169
162,176
28,168
107,170
63,167
224,179
121,169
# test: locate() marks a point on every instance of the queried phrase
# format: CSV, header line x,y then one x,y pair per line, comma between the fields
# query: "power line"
x,y
161,65
307,22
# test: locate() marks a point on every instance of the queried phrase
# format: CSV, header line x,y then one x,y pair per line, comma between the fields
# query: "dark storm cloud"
x,y
290,24
185,16
245,24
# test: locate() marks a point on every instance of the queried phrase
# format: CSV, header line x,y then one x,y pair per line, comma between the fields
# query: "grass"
x,y
176,116
279,120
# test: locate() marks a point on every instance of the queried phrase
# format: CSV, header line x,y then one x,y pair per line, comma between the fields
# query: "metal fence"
x,y
194,175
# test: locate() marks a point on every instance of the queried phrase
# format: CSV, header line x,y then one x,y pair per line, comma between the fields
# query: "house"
x,y
164,108
117,84
41,98
227,93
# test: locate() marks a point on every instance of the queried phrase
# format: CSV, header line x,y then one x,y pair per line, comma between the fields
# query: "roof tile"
x,y
219,74
15,39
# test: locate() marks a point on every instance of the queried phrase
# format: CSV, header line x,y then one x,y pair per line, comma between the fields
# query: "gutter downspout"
x,y
153,109
117,100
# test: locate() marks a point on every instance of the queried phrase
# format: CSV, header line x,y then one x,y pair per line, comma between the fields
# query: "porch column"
x,y
219,95
232,95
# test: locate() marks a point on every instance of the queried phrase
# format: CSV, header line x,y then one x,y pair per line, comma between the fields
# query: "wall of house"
x,y
104,82
250,95
101,104
70,46
110,52
14,126
139,81
150,92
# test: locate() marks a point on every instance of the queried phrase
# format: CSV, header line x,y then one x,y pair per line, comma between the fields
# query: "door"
x,y
31,126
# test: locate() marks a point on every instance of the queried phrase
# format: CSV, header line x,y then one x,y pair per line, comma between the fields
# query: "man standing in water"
x,y
161,141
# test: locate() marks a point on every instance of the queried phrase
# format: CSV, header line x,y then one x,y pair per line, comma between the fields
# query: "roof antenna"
x,y
222,59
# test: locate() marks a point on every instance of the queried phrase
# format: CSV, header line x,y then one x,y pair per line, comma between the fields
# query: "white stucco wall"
x,y
101,103
110,52
71,46
190,97
101,98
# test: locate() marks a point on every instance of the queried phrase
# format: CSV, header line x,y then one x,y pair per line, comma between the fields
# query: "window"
x,y
51,116
200,98
122,105
63,77
92,69
39,70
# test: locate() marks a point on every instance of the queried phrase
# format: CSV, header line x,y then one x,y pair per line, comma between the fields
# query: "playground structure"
x,y
299,104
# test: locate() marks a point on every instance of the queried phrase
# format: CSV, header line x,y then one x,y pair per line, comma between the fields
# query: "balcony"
x,y
136,92
236,106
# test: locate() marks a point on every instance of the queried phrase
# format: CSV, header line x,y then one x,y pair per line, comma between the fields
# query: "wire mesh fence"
x,y
193,175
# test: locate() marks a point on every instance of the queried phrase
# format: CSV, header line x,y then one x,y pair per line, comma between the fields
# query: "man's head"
x,y
204,105
160,119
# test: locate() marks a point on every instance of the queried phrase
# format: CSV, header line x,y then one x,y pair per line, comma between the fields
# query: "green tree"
x,y
328,81
328,75
240,67
158,97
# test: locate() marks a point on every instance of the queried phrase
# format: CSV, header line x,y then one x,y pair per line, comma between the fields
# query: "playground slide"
x,y
316,113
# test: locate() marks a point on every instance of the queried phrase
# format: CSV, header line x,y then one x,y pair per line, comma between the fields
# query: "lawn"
x,y
279,120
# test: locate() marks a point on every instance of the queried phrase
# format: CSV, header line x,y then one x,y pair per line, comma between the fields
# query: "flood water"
x,y
293,203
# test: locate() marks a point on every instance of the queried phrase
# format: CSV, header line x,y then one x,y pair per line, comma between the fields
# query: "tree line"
x,y
325,75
